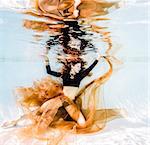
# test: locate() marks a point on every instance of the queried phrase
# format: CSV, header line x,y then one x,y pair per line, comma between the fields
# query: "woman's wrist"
x,y
99,57
46,60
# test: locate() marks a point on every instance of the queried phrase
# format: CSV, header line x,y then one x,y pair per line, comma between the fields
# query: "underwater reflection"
x,y
71,9
72,39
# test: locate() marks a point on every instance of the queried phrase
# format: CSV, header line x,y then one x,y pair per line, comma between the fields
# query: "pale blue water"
x,y
21,63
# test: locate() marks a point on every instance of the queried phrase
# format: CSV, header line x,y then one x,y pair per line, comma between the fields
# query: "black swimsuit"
x,y
67,80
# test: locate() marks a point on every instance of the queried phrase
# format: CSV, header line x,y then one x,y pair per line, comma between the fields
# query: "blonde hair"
x,y
41,91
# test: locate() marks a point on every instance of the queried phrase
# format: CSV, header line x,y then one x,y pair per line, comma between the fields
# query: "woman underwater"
x,y
72,76
50,104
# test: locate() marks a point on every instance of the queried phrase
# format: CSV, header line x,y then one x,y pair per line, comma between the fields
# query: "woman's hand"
x,y
46,59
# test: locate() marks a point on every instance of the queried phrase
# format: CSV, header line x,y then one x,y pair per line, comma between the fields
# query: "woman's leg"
x,y
47,113
74,111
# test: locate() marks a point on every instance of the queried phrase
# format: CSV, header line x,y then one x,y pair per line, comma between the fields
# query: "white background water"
x,y
21,63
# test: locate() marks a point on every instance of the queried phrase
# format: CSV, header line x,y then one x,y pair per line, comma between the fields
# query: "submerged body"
x,y
72,76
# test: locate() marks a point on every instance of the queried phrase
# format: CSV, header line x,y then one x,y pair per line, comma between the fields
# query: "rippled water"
x,y
21,63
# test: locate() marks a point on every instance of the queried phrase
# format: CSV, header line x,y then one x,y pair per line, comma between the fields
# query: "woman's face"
x,y
75,69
